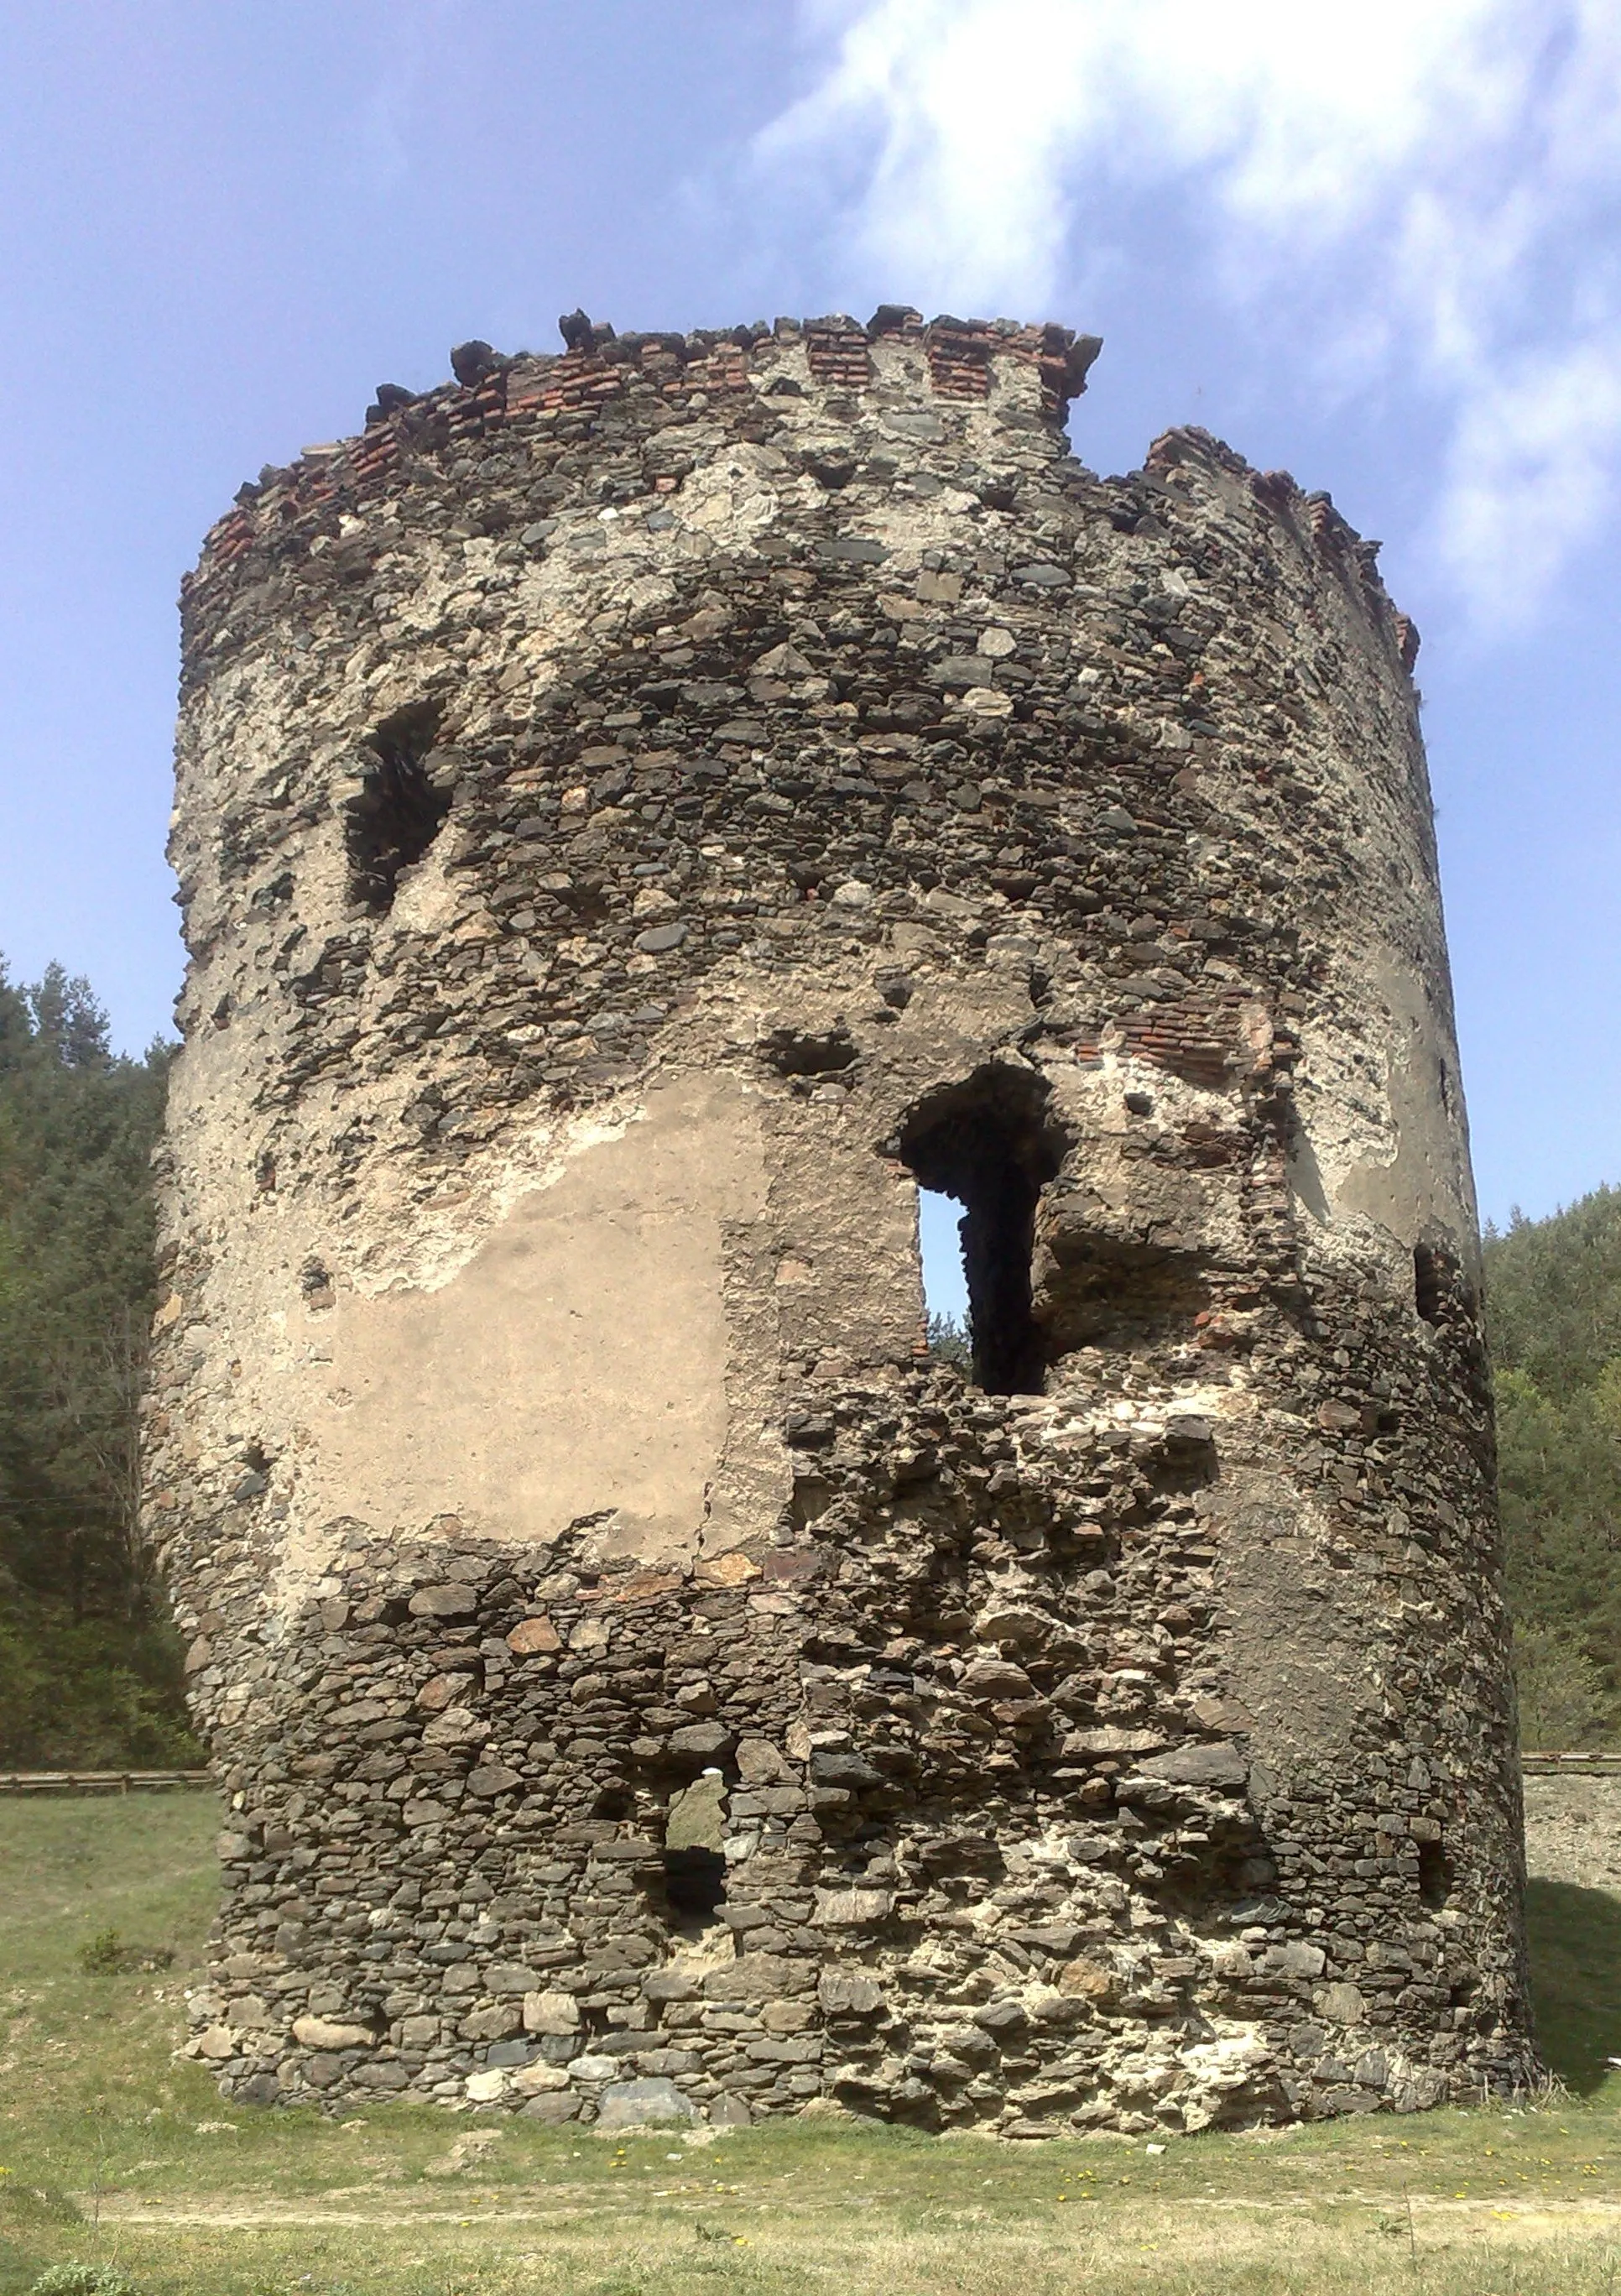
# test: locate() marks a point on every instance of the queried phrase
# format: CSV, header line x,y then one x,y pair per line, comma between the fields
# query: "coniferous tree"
x,y
88,1664
1553,1307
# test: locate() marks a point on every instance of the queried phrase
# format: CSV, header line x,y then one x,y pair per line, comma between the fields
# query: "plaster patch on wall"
x,y
1423,1177
575,1366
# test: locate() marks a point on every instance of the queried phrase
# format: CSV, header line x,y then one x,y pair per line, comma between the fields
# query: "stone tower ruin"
x,y
643,814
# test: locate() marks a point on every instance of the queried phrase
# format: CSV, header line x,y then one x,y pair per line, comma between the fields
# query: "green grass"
x,y
115,2154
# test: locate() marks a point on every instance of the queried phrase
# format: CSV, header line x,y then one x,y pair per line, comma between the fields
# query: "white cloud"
x,y
1425,183
1532,471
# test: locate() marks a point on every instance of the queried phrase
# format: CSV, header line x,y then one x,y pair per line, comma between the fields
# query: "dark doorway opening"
x,y
694,1883
399,811
991,1144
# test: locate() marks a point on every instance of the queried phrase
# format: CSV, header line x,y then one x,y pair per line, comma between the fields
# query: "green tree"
x,y
1562,1703
88,1666
1553,1305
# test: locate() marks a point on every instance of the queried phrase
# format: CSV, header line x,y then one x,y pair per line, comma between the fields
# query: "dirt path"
x,y
479,2208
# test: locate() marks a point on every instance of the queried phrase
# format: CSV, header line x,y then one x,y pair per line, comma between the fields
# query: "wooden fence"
x,y
104,1782
1603,1765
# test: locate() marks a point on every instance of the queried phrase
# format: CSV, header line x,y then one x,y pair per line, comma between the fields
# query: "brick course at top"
x,y
640,814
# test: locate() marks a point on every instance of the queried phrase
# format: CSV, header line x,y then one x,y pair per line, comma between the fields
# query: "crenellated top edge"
x,y
753,380
491,390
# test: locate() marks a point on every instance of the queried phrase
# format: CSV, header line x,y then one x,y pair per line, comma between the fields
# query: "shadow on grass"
x,y
1575,1980
26,2219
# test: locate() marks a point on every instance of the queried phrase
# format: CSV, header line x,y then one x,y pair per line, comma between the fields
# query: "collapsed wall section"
x,y
640,816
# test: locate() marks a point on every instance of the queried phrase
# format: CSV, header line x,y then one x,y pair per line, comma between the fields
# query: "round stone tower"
x,y
643,814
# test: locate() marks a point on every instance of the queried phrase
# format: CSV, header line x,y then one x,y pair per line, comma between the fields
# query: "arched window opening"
x,y
991,1145
400,808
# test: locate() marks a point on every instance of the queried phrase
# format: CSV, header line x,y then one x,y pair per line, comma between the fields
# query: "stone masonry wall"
x,y
641,813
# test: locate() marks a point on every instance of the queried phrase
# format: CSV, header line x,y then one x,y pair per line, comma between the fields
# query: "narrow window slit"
x,y
1427,1281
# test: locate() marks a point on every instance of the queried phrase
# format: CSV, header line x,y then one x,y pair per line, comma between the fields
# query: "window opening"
x,y
944,1280
1434,1874
989,1145
694,1860
399,811
1428,1282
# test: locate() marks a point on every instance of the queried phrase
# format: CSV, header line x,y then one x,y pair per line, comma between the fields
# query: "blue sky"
x,y
1377,244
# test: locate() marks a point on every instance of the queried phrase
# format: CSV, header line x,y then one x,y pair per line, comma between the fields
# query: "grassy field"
x,y
112,2155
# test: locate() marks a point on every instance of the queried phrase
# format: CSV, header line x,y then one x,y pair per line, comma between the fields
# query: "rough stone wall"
x,y
640,813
